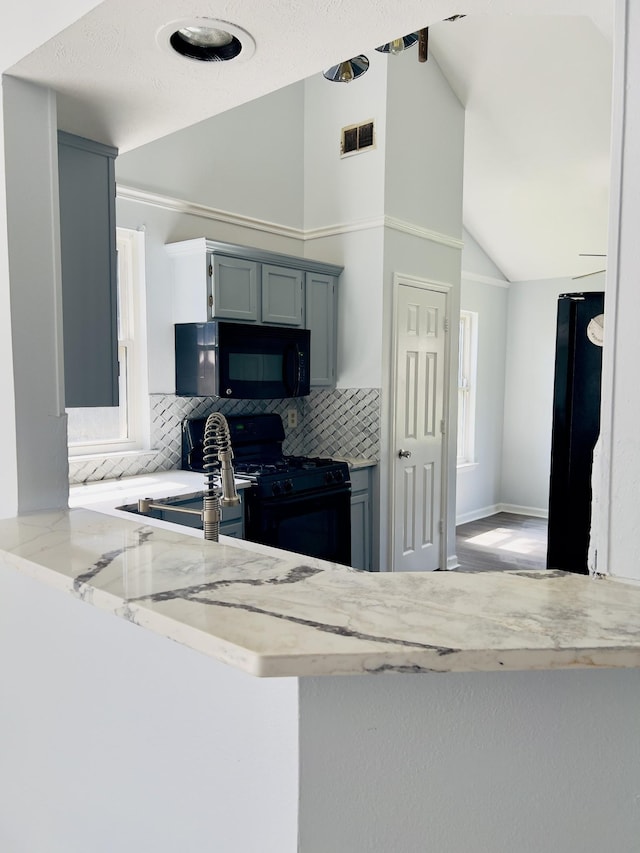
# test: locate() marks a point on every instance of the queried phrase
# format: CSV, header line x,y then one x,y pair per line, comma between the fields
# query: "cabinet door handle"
x,y
404,454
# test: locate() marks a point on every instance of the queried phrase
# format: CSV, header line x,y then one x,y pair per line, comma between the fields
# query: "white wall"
x,y
425,146
344,190
423,187
528,401
415,176
492,762
476,262
248,161
8,455
345,196
618,524
114,738
479,484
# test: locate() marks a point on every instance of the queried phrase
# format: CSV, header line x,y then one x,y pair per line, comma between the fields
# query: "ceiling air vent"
x,y
357,137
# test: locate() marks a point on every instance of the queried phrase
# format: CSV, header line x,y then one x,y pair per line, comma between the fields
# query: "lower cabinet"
x,y
232,523
361,519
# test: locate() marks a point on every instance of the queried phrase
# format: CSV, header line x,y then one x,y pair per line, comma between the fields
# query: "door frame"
x,y
399,280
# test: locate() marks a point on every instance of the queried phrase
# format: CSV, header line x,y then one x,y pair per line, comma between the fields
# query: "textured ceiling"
x,y
535,91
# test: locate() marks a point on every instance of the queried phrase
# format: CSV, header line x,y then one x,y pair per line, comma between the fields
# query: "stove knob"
x,y
276,488
288,486
328,477
338,476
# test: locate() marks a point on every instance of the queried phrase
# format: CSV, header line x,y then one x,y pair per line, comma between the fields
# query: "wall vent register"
x,y
356,137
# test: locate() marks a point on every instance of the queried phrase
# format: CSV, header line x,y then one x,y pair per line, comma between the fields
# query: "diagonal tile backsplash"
x,y
344,422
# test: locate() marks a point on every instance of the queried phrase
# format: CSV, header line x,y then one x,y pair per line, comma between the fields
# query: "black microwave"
x,y
241,361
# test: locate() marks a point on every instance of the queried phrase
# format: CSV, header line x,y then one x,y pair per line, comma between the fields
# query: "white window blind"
x,y
467,386
117,429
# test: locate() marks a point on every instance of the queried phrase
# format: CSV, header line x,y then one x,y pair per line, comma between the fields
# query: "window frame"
x,y
133,384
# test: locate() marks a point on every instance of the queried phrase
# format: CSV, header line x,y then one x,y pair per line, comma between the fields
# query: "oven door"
x,y
316,524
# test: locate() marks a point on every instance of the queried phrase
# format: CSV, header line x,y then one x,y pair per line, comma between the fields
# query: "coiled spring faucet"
x,y
217,447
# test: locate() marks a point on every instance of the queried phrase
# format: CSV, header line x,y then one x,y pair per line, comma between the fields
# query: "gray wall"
x,y
493,762
33,229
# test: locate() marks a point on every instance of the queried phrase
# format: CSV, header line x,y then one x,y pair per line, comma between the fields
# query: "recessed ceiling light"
x,y
206,40
348,70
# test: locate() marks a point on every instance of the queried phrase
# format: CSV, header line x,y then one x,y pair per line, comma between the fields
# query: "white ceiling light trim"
x,y
165,33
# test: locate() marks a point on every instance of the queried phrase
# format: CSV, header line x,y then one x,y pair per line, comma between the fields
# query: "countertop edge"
x,y
334,664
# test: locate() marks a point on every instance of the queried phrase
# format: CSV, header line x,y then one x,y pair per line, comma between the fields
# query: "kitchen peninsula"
x,y
180,737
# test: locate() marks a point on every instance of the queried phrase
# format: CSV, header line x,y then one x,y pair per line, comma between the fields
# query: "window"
x,y
119,429
467,386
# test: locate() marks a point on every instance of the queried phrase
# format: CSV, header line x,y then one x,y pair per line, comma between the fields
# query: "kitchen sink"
x,y
172,509
191,501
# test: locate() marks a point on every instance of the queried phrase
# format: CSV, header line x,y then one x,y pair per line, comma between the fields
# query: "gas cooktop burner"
x,y
286,465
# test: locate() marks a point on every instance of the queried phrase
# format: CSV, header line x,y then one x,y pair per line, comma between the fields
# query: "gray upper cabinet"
x,y
320,301
234,289
213,280
86,176
282,295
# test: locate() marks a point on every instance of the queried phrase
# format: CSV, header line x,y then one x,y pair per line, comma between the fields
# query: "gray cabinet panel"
x,y
235,289
320,299
282,295
360,531
234,529
89,277
361,508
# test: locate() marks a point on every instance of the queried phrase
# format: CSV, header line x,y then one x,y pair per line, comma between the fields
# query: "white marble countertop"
x,y
272,613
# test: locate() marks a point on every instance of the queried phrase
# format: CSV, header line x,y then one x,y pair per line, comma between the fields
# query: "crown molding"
x,y
423,233
178,205
345,228
484,279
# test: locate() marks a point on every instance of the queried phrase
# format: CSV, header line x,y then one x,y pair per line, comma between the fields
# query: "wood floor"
x,y
501,542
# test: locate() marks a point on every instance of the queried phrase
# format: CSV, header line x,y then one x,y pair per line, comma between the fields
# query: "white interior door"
x,y
420,356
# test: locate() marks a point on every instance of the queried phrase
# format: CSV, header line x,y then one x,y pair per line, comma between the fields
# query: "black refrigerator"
x,y
576,424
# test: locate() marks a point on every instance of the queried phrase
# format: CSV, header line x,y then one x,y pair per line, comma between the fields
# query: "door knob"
x,y
404,454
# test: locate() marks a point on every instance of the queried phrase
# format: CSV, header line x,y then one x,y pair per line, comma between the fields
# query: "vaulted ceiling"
x,y
533,75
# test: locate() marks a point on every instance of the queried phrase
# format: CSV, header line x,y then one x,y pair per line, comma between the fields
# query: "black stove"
x,y
257,450
297,503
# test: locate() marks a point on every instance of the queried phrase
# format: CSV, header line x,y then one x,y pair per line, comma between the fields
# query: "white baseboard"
x,y
524,510
452,562
486,511
475,514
